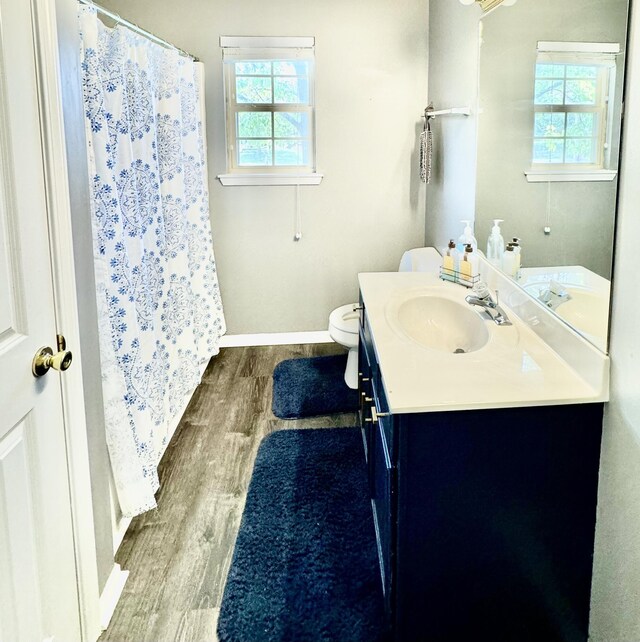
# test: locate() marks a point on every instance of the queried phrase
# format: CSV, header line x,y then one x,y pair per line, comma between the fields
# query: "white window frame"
x,y
239,48
604,56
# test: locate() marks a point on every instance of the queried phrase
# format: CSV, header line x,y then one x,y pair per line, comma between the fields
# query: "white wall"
x,y
615,599
453,82
371,75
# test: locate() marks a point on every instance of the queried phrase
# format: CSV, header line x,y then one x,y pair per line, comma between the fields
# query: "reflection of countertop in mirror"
x,y
587,306
513,368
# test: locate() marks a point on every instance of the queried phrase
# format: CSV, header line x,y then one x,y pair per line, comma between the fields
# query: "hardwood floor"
x,y
178,555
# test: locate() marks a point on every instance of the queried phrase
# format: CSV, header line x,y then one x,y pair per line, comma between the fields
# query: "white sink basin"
x,y
587,311
441,324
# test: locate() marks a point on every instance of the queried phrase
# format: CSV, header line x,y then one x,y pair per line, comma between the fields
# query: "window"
x,y
269,100
573,92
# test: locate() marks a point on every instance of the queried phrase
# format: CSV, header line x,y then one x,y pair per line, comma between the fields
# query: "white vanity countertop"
x,y
515,368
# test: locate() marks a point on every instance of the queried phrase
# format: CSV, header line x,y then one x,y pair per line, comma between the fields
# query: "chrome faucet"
x,y
482,298
554,295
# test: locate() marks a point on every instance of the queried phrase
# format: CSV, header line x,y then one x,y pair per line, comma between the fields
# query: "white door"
x,y
38,588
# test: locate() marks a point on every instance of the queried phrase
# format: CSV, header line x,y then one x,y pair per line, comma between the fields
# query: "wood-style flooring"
x,y
178,555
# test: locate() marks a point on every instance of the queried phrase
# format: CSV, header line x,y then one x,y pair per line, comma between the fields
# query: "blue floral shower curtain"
x,y
159,304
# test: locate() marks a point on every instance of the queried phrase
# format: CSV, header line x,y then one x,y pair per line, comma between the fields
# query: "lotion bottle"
x,y
469,264
472,258
509,261
518,252
495,244
465,267
450,262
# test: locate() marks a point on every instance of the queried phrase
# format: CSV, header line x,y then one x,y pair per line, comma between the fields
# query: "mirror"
x,y
551,81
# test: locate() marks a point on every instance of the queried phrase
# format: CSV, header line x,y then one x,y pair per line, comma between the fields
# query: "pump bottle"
x,y
509,261
469,264
517,250
467,238
450,262
495,244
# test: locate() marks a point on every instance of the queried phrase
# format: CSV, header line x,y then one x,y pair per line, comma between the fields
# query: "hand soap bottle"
x,y
509,261
450,262
495,244
467,238
518,252
469,265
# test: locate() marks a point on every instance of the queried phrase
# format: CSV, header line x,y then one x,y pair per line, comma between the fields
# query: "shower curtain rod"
x,y
137,29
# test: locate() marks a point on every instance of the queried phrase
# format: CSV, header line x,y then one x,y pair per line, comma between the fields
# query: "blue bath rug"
x,y
305,566
311,387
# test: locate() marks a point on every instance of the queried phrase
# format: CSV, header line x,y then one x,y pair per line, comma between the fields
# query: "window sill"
x,y
271,179
563,176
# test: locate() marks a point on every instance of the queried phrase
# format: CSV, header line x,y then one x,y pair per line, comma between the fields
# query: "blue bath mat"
x,y
305,566
311,387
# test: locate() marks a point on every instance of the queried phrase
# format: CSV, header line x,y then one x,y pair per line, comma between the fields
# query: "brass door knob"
x,y
45,359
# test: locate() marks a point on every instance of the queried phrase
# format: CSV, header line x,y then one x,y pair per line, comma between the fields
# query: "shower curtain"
x,y
159,305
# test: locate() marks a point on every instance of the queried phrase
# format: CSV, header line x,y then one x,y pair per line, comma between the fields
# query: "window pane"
x,y
581,124
253,90
547,125
291,124
549,71
581,92
582,71
254,124
549,150
253,67
580,150
291,68
549,92
291,90
254,152
292,152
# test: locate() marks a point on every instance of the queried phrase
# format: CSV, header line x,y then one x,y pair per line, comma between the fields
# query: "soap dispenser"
x,y
469,264
517,249
450,262
467,238
495,244
509,261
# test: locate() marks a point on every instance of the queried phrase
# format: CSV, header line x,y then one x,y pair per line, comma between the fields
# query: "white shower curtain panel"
x,y
159,304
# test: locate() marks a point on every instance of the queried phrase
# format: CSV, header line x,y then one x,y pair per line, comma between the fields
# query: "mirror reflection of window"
x,y
572,94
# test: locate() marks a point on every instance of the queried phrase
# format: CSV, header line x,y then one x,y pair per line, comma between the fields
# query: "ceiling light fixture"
x,y
487,5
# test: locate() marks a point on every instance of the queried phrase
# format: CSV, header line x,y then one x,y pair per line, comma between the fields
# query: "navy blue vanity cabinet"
x,y
485,518
365,393
376,425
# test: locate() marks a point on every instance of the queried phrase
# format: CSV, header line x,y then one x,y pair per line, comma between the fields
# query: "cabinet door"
x,y
385,419
382,483
365,396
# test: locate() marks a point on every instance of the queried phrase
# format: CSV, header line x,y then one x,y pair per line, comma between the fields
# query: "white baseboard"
x,y
111,594
120,526
274,339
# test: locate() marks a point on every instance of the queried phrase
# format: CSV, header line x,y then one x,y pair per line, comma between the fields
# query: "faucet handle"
x,y
481,290
557,288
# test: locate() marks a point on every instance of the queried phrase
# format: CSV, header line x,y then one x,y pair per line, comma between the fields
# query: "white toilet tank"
x,y
420,259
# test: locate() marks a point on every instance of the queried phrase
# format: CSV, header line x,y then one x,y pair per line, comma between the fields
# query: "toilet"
x,y
343,329
344,321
